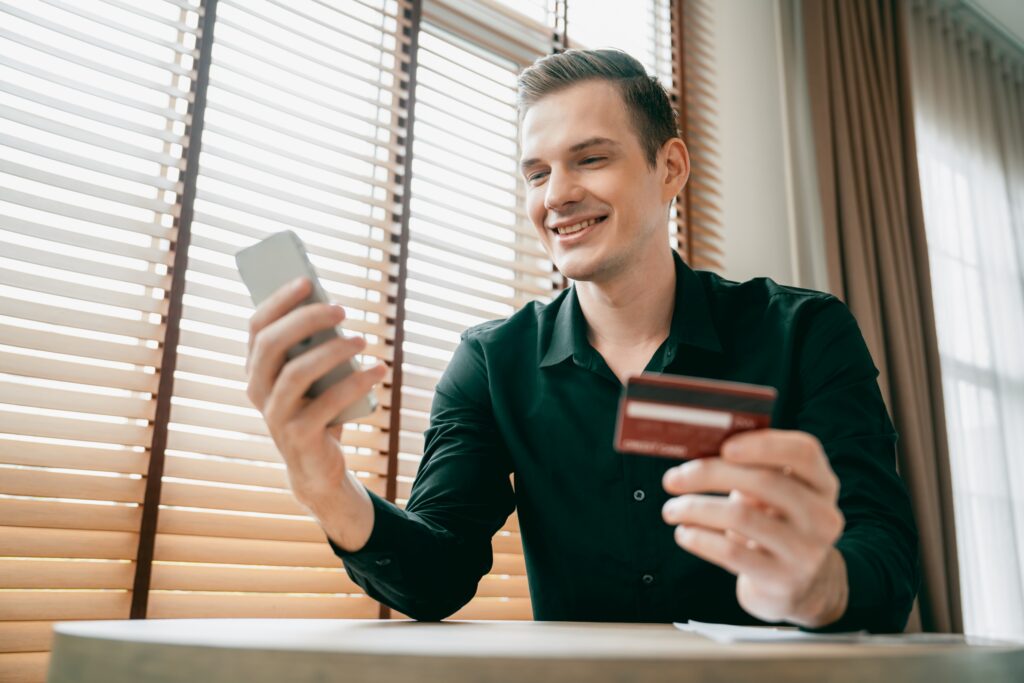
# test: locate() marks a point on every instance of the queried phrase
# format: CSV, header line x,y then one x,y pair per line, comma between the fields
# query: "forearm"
x,y
346,515
827,597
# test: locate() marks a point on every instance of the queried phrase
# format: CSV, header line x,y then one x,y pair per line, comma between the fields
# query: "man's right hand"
x,y
276,387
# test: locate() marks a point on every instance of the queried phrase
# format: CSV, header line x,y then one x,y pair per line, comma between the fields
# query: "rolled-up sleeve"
x,y
841,405
427,560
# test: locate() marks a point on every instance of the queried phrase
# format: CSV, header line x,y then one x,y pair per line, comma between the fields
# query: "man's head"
x,y
599,142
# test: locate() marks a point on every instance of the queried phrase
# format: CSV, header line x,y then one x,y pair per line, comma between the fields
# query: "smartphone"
x,y
274,262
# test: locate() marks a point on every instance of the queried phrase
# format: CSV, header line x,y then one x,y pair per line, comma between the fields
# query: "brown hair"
x,y
654,120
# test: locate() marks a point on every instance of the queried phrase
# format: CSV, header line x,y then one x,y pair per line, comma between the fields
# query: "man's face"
x,y
587,175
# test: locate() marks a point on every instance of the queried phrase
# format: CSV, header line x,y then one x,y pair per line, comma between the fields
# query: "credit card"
x,y
687,417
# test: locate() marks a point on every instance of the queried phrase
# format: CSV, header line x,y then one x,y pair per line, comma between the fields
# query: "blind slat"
x,y
51,574
52,514
59,605
63,399
50,484
26,636
77,373
66,543
57,315
213,550
254,605
256,580
72,457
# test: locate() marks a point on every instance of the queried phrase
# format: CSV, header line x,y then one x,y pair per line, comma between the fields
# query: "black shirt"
x,y
529,395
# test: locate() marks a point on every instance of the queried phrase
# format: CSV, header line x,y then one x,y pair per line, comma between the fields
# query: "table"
x,y
378,651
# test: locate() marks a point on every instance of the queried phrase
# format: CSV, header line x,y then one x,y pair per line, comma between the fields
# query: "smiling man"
x,y
815,529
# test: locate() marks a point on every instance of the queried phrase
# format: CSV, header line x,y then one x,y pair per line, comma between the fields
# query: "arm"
x,y
426,561
842,406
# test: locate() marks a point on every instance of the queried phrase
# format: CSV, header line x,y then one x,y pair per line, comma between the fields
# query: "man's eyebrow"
x,y
578,147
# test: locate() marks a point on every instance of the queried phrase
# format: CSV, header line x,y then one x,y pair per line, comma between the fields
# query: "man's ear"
x,y
677,168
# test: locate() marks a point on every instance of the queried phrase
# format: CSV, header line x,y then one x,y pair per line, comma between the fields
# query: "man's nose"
x,y
561,190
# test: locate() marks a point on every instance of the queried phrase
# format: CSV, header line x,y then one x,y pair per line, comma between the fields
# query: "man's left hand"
x,y
777,529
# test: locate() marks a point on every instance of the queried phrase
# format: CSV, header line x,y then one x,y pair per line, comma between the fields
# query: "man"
x,y
816,529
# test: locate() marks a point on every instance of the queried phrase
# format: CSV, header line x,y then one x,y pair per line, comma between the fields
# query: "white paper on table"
x,y
729,633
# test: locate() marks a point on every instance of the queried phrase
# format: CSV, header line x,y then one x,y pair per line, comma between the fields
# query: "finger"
x,y
751,500
341,395
807,509
723,514
276,305
795,452
734,557
298,374
271,346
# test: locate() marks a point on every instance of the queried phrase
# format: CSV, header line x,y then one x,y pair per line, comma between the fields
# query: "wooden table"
x,y
373,651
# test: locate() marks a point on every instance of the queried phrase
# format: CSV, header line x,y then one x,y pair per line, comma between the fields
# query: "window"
x,y
968,120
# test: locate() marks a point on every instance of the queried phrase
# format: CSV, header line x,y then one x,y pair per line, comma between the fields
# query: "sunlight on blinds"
x,y
306,140
94,108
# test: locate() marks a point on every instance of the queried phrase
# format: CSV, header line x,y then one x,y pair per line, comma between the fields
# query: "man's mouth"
x,y
577,227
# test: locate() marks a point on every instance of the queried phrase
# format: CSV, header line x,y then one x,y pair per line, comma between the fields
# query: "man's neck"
x,y
633,309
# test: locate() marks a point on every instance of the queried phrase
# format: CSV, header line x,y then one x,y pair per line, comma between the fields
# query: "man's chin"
x,y
578,269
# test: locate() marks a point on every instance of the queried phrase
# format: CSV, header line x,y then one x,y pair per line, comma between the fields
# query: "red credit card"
x,y
687,417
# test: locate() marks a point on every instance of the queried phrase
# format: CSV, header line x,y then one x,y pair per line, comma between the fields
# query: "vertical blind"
x,y
128,180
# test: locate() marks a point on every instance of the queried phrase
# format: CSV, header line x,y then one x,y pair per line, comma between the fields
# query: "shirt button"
x,y
648,579
383,563
638,495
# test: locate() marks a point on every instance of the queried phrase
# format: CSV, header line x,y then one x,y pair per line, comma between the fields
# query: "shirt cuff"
x,y
379,557
868,605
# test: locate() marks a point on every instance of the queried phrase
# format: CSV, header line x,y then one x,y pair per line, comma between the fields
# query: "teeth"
x,y
576,228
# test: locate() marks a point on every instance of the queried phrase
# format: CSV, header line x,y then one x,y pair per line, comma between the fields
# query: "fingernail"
x,y
297,283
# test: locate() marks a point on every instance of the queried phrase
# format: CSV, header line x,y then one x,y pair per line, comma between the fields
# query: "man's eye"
x,y
535,176
593,160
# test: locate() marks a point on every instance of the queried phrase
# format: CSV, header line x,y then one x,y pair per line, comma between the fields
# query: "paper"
x,y
728,633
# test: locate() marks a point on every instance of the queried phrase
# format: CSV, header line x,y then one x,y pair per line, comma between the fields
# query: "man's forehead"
x,y
590,112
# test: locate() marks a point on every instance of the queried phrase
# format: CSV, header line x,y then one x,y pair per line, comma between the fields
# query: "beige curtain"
x,y
878,261
968,95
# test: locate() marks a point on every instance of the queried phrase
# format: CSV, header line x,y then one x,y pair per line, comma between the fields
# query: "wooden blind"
x,y
93,115
699,207
307,139
473,253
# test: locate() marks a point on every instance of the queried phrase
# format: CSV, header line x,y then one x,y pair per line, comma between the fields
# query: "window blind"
x,y
94,109
473,253
310,140
698,208
117,237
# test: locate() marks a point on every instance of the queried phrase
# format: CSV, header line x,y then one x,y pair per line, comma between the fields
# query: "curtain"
x,y
877,258
968,97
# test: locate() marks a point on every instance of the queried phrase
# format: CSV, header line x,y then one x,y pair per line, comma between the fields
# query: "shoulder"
x,y
763,301
759,292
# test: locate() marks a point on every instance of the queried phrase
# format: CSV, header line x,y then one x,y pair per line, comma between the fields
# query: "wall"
x,y
772,223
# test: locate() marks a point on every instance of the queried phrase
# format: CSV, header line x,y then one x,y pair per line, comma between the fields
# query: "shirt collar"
x,y
691,320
